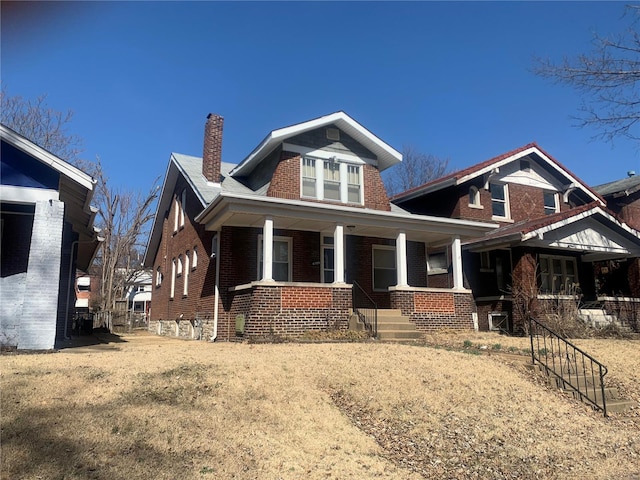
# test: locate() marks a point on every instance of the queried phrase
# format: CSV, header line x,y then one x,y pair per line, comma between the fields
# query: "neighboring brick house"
x,y
275,244
46,233
554,234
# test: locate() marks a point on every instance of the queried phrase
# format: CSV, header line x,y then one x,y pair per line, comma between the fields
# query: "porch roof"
x,y
589,229
232,209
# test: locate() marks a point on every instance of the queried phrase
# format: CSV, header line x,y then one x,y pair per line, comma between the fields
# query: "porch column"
x,y
456,259
338,254
267,250
401,259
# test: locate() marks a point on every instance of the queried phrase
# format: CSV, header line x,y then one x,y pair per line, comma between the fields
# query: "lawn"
x,y
151,407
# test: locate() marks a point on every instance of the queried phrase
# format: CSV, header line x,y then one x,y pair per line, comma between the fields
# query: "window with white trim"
x,y
558,275
176,214
550,203
194,262
183,202
474,197
185,288
384,267
500,200
173,278
328,259
281,265
331,179
158,277
179,266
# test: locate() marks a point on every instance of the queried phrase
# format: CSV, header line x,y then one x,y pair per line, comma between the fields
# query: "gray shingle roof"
x,y
629,185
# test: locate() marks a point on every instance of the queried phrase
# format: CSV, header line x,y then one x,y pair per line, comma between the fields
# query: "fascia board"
x,y
279,207
433,187
47,158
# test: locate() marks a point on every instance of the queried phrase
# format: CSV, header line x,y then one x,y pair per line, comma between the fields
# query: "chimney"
x,y
212,152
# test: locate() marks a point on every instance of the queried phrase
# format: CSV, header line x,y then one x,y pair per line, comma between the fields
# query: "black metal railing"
x,y
573,368
366,309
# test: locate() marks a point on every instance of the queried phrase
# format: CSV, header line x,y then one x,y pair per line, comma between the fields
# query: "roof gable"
x,y
386,156
493,167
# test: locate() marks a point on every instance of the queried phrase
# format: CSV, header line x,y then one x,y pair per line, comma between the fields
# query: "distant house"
x,y
47,232
557,238
138,293
294,236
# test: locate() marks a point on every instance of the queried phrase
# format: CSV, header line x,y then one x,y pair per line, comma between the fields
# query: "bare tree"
x,y
43,125
607,78
124,216
416,169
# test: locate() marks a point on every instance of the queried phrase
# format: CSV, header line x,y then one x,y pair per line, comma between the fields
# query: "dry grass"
x,y
154,407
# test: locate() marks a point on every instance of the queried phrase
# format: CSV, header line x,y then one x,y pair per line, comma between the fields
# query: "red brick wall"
x,y
434,303
375,195
435,310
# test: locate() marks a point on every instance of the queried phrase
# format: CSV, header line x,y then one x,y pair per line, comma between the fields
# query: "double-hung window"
x,y
332,180
499,200
550,203
281,264
557,274
384,267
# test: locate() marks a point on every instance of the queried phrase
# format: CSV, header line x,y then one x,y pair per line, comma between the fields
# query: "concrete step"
x,y
384,325
620,406
387,335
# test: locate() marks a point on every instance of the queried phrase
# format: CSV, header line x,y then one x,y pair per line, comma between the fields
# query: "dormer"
x,y
331,159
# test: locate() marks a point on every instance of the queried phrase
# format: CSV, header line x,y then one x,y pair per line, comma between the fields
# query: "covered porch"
x,y
285,267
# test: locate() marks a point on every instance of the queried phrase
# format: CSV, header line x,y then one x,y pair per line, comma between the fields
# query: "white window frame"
x,y
327,244
185,288
474,197
158,277
344,167
374,268
496,325
551,273
176,214
179,266
547,209
311,163
289,242
194,262
505,202
183,202
173,279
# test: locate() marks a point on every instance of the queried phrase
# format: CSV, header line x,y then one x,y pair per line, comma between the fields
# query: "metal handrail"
x,y
572,366
366,309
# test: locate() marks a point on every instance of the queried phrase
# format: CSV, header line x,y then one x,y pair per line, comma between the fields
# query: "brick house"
x,y
554,238
277,243
46,233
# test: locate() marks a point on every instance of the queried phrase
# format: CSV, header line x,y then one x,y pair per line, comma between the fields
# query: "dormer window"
x,y
331,179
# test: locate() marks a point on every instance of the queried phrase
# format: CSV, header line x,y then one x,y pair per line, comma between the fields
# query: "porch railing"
x,y
366,309
573,368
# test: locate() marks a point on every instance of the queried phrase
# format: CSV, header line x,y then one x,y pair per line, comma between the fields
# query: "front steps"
x,y
392,326
590,387
395,327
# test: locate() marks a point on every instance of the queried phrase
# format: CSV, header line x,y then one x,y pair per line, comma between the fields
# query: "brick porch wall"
x,y
433,309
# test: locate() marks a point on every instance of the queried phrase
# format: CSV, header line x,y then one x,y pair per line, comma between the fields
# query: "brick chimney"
x,y
212,153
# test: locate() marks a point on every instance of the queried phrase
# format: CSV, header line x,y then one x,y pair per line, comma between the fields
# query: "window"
x,y
309,177
485,262
353,184
557,274
194,262
281,258
331,180
84,284
437,263
158,277
176,214
179,267
474,197
384,267
173,278
499,321
550,203
183,203
185,288
328,274
499,200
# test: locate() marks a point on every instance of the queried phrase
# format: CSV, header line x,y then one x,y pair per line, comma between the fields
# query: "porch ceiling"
x,y
246,211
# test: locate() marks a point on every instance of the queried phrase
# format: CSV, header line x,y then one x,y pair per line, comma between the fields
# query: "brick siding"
x,y
433,310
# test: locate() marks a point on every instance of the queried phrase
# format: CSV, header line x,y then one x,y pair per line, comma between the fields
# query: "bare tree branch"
x,y
416,169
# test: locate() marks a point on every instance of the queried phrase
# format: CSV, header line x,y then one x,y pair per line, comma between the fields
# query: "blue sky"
x,y
450,78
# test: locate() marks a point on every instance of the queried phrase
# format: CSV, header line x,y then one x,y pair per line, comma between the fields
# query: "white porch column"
x,y
338,254
401,259
456,259
267,250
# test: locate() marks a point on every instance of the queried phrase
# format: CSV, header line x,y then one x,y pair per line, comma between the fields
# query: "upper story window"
x,y
500,200
179,266
331,180
185,284
158,277
178,210
173,278
183,203
474,197
550,203
194,262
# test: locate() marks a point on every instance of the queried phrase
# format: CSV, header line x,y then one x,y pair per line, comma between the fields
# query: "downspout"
x,y
215,254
